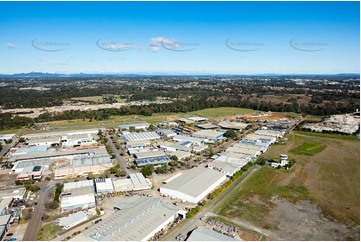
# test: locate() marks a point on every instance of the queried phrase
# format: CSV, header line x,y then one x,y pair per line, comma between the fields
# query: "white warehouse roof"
x,y
141,136
138,220
194,184
205,234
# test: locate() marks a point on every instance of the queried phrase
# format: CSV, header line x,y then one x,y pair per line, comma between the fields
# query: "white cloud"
x,y
157,42
119,46
10,45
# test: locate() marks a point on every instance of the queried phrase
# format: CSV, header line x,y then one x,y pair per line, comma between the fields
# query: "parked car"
x,y
97,221
10,234
116,208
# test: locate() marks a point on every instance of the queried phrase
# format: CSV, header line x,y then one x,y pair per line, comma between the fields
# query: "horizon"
x,y
180,38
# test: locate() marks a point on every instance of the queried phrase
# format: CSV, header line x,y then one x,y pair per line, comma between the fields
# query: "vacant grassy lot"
x,y
327,172
224,111
49,231
308,148
95,99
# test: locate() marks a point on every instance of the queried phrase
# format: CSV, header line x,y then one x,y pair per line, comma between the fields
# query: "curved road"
x,y
35,222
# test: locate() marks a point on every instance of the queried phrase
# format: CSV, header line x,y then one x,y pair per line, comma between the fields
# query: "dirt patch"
x,y
247,236
305,221
268,116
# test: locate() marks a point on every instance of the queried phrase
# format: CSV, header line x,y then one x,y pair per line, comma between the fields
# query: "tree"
x,y
147,170
152,127
261,161
52,205
21,139
90,176
120,173
174,158
230,134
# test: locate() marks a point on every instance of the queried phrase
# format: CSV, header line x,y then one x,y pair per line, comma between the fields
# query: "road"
x,y
7,147
120,159
35,222
190,224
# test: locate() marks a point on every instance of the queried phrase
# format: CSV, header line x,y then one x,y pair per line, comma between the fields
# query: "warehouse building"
x,y
20,166
168,146
6,137
186,138
233,125
141,136
31,150
155,160
193,185
82,165
17,193
181,155
142,125
250,146
49,141
73,219
205,234
77,195
31,173
224,167
60,134
139,219
197,119
104,186
207,126
78,140
136,182
246,151
166,133
209,135
261,138
252,142
271,133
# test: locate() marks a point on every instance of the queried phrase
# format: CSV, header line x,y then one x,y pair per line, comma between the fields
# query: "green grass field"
x,y
224,111
327,172
95,99
49,231
308,148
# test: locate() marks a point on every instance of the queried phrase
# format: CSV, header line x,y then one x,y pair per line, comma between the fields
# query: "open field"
x,y
49,231
114,121
328,176
94,99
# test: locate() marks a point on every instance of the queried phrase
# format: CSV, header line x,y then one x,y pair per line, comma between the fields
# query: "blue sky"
x,y
180,37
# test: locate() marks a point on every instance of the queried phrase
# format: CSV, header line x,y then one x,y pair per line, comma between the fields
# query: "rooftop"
x,y
72,218
195,181
141,136
209,134
205,234
79,184
136,221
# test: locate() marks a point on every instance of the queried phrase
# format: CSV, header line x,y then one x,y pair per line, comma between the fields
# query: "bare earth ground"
x,y
319,199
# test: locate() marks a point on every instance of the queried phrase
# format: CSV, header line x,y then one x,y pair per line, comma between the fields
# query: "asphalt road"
x,y
35,222
120,159
6,147
191,224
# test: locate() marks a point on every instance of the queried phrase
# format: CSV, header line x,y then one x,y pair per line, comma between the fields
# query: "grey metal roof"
x,y
134,222
72,218
195,181
205,234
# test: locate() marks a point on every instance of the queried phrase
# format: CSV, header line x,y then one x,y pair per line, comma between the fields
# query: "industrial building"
x,y
260,138
60,134
104,186
73,219
141,136
17,193
233,125
20,166
78,140
205,234
168,146
197,119
193,185
181,155
49,141
142,125
225,167
246,151
155,160
139,219
31,150
6,137
82,165
31,173
271,133
207,126
186,138
166,133
77,195
262,149
199,148
136,182
209,135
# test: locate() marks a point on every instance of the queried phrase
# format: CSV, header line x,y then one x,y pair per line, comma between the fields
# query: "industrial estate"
x,y
137,181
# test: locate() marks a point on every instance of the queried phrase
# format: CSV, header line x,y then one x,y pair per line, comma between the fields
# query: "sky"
x,y
180,37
